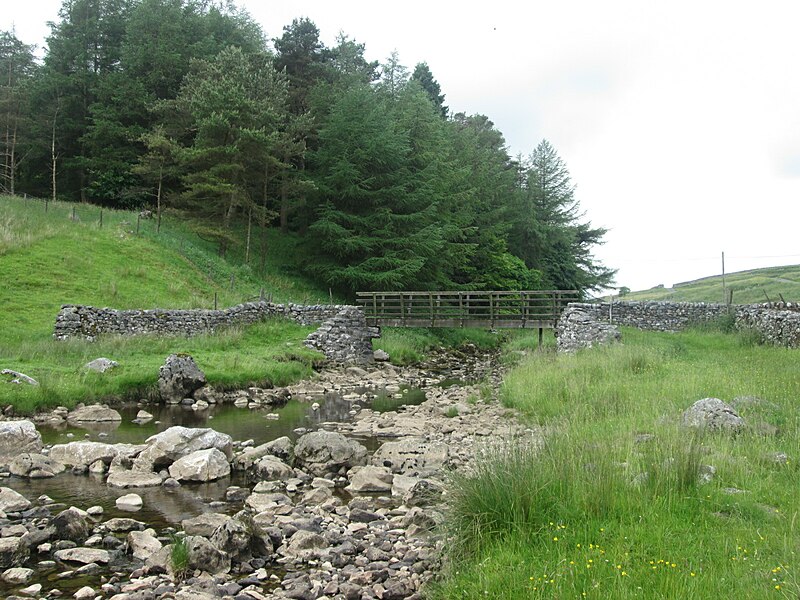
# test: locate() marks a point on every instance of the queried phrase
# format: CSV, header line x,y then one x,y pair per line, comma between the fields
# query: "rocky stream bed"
x,y
332,488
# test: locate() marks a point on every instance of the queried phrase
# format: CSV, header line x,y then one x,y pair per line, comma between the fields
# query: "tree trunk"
x,y
158,198
13,161
263,258
249,224
53,154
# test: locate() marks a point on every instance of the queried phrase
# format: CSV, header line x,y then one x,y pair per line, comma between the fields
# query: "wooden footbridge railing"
x,y
489,310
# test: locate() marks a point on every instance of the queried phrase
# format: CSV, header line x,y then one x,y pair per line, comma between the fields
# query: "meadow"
x,y
61,253
614,498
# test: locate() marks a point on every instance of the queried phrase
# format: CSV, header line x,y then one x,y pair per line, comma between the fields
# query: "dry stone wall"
x,y
581,323
343,335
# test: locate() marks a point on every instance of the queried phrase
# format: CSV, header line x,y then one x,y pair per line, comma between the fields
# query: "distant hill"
x,y
748,287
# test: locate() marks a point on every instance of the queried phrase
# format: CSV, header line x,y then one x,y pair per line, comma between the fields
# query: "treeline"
x,y
185,104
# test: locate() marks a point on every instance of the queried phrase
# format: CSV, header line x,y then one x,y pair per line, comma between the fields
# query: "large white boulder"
x,y
203,465
17,437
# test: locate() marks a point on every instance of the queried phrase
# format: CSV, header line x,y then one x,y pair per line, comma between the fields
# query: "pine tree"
x,y
548,234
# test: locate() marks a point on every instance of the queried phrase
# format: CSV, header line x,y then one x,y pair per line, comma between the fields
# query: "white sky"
x,y
679,121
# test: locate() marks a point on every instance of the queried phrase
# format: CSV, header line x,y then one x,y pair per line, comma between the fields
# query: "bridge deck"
x,y
535,309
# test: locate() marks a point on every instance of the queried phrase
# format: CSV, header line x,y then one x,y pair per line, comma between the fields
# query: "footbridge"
x,y
535,309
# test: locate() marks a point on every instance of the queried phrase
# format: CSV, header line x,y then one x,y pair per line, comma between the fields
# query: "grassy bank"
x,y
49,258
612,503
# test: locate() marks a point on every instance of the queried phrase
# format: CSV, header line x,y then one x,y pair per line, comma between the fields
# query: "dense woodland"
x,y
184,105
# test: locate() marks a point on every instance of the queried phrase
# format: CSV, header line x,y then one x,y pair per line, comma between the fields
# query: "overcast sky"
x,y
679,121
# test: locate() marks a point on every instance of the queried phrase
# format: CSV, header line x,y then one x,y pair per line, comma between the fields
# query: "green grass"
x,y
609,504
410,345
748,287
179,557
48,259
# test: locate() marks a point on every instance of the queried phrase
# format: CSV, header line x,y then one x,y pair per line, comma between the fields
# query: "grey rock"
x,y
35,466
712,414
271,468
123,525
412,456
17,575
129,502
143,544
12,501
100,365
202,465
13,552
126,478
322,452
204,524
203,555
83,555
233,537
86,453
17,437
16,377
178,378
94,413
370,479
304,544
71,525
176,442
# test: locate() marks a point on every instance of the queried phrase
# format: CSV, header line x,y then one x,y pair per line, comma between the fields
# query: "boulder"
x,y
127,478
17,437
204,524
712,414
13,552
130,502
272,468
83,555
17,377
100,365
370,479
305,544
412,456
202,465
380,355
71,525
233,537
281,448
82,454
203,555
35,466
261,502
17,575
425,492
143,544
11,501
176,442
178,378
123,525
322,452
94,413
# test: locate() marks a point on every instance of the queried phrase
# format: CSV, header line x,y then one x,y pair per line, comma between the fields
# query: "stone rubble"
x,y
328,518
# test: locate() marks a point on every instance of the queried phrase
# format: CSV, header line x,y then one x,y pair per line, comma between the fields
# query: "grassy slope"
x,y
47,259
748,287
577,519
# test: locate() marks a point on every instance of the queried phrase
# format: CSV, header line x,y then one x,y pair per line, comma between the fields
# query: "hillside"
x,y
748,287
49,258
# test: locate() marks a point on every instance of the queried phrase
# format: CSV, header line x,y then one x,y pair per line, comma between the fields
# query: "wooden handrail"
x,y
491,309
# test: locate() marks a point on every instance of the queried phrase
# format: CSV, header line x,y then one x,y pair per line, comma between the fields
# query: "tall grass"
x,y
615,499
